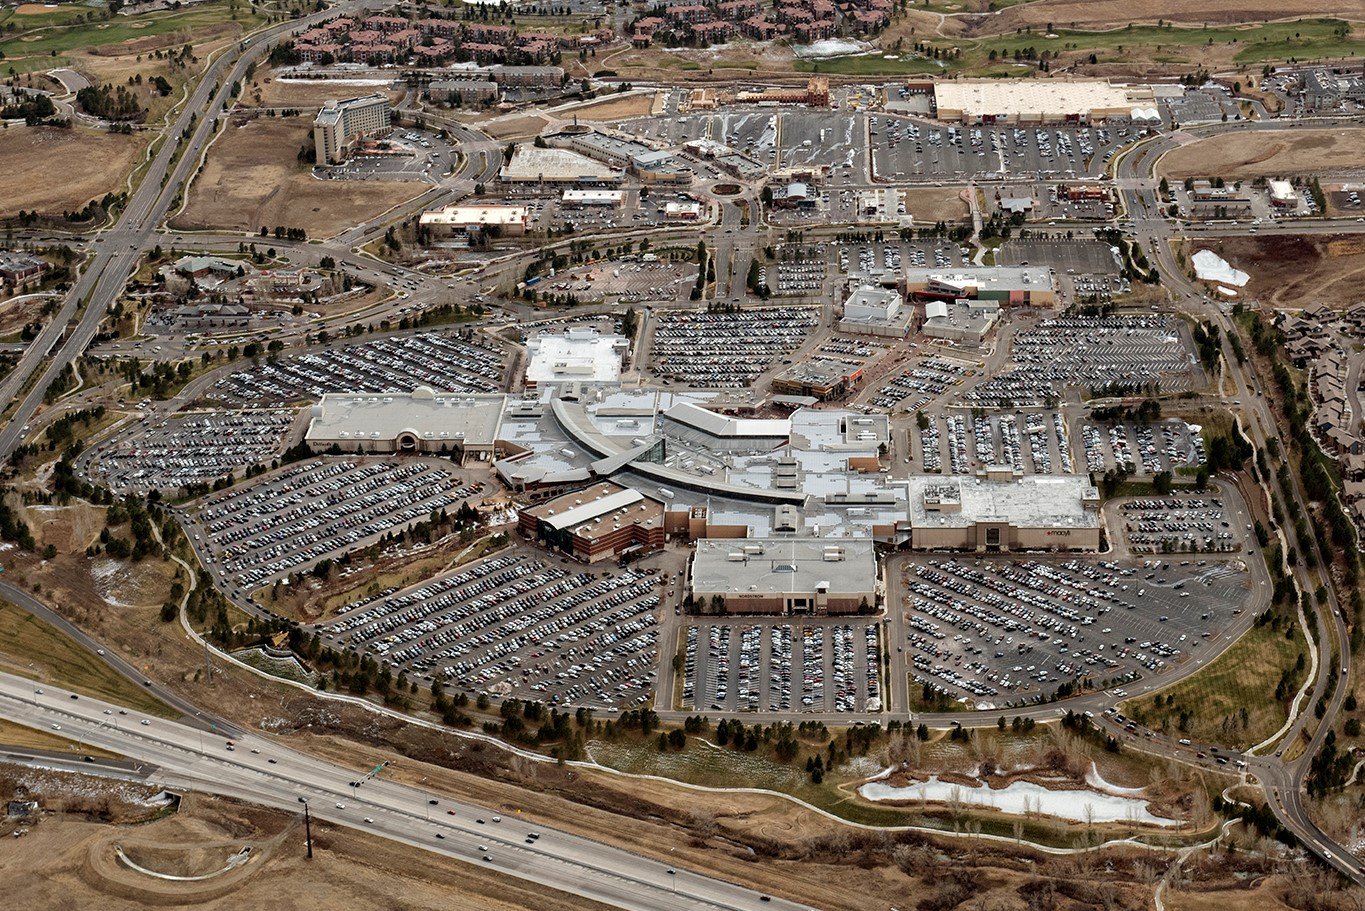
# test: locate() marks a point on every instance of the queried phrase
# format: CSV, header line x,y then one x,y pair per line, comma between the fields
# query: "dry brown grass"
x,y
1266,154
1294,271
612,108
1104,14
521,126
931,205
65,862
15,735
53,170
252,178
267,90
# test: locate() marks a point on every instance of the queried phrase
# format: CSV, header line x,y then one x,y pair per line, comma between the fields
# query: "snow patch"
x,y
1211,267
832,47
1024,797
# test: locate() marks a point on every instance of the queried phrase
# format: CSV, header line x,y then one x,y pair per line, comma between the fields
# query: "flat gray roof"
x,y
1032,501
784,565
531,163
470,420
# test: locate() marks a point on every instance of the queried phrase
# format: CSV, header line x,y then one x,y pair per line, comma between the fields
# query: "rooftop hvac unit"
x,y
735,557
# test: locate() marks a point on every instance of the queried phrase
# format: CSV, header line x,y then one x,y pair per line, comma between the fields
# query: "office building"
x,y
342,124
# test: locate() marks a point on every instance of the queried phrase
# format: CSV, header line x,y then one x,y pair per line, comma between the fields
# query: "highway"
x,y
261,771
575,865
118,250
1283,779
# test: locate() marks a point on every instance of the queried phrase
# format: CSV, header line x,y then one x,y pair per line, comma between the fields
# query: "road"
x,y
1284,780
262,771
118,250
193,714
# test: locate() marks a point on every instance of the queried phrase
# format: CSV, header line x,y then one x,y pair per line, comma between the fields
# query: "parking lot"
x,y
193,448
1092,353
904,148
289,520
1180,524
1142,449
398,363
405,155
801,270
824,665
625,282
1034,442
871,261
916,387
520,624
726,350
1001,631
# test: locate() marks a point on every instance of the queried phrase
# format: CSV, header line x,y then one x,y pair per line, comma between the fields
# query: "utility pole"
x,y
307,830
208,665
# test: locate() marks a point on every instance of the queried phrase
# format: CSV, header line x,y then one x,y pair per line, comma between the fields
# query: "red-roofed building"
x,y
692,12
713,31
386,24
484,53
760,28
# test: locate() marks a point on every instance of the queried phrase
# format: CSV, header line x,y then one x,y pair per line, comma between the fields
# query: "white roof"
x,y
722,425
593,195
475,215
585,512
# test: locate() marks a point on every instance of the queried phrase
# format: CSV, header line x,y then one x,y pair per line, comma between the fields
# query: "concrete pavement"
x,y
262,771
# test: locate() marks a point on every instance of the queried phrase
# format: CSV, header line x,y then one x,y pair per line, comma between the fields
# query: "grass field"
x,y
1291,271
870,65
31,648
252,178
1274,153
16,735
1302,40
91,163
931,205
612,108
1243,677
37,36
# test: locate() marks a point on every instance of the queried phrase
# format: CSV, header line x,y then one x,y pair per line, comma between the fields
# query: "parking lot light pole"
x,y
307,827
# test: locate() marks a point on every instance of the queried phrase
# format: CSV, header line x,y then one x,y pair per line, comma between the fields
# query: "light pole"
x,y
307,827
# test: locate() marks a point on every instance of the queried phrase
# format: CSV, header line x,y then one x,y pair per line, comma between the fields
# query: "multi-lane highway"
x,y
117,251
262,771
1284,780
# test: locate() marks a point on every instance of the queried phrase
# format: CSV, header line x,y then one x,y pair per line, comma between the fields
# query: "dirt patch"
x,y
1104,14
91,163
34,9
1295,271
15,314
269,91
68,528
64,862
612,108
522,126
253,178
1271,153
931,205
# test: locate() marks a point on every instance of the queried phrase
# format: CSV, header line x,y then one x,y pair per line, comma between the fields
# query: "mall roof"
x,y
1032,501
721,425
531,163
1038,97
471,420
586,512
784,565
